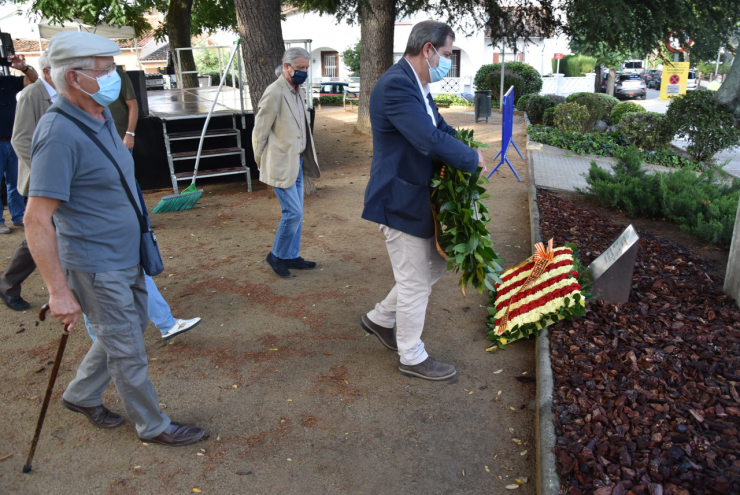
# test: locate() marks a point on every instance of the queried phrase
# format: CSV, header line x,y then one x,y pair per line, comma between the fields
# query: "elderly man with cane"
x,y
284,151
82,177
408,133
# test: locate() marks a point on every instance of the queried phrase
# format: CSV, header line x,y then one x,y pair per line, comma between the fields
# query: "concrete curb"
x,y
548,482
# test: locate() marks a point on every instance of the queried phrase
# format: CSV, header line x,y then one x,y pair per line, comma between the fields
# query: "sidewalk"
x,y
556,168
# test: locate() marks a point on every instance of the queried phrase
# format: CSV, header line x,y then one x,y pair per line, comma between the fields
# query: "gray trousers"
x,y
20,268
115,303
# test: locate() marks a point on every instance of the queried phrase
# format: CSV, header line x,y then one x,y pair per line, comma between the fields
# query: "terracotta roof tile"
x,y
29,46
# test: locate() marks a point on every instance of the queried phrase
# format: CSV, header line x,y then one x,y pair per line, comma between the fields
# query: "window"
x,y
327,88
455,69
329,64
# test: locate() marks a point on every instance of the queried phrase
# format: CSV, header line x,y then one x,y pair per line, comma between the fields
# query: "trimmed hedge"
x,y
511,78
571,117
522,102
549,117
598,108
625,107
446,100
559,100
647,130
332,100
574,65
532,78
537,106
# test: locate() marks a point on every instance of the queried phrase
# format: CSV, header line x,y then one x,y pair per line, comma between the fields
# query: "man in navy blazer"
x,y
408,133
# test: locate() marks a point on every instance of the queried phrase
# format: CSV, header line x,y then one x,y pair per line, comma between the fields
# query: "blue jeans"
x,y
9,170
288,236
158,309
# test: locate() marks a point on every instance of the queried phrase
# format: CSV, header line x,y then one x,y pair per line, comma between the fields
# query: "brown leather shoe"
x,y
100,416
177,435
386,336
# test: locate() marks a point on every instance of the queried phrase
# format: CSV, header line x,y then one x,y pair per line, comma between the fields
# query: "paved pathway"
x,y
555,168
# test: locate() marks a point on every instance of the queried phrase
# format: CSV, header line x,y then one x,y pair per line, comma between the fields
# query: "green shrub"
x,y
572,97
606,145
521,103
571,117
532,78
598,108
537,106
625,107
446,100
701,205
556,98
697,117
549,117
511,78
647,130
610,102
332,100
574,65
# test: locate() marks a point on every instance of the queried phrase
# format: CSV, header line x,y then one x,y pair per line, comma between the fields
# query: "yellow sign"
x,y
674,79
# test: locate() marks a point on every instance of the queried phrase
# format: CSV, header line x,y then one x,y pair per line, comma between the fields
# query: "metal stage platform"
x,y
196,102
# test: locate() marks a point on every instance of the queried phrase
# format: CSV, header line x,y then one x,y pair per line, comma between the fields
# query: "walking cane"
x,y
49,388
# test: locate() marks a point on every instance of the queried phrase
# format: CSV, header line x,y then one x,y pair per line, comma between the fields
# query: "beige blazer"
x,y
276,138
33,103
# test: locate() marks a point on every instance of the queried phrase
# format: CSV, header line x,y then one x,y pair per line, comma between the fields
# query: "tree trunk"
x,y
728,95
597,83
378,19
611,82
262,43
178,31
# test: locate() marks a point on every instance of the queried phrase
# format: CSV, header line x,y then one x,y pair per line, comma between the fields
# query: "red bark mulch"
x,y
646,393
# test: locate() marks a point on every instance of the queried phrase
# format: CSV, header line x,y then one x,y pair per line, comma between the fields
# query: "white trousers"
x,y
416,267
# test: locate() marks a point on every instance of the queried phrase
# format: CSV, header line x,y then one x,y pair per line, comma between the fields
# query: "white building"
x,y
331,38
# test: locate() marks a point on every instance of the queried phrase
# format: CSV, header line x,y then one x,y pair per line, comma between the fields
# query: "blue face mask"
x,y
298,77
443,67
109,88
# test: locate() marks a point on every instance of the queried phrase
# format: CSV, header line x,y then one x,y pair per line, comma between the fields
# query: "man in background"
x,y
10,86
33,102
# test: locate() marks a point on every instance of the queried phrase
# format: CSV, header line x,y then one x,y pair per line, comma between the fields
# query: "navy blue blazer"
x,y
404,144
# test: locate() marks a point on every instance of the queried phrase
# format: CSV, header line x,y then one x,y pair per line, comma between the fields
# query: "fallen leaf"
x,y
511,430
497,372
235,386
290,400
487,470
137,467
524,453
507,468
512,408
516,441
196,490
7,456
470,393
512,487
199,453
21,330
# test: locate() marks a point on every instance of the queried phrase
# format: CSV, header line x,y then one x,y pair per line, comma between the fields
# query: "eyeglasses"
x,y
107,70
302,68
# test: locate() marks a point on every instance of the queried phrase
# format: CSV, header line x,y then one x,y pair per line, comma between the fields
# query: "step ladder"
x,y
205,153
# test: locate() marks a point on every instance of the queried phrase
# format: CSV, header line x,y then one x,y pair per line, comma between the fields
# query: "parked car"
x,y
334,88
655,81
630,85
605,78
692,82
647,75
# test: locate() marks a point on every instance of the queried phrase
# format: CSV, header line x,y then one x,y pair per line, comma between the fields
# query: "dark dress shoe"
x,y
100,416
386,336
177,435
16,303
300,264
277,265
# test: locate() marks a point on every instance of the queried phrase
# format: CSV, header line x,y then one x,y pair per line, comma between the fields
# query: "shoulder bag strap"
x,y
94,139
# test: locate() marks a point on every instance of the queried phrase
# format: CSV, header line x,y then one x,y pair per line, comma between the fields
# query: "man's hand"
x,y
64,308
17,63
128,140
482,162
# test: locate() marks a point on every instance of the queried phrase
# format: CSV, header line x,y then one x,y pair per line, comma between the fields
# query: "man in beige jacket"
x,y
33,102
284,151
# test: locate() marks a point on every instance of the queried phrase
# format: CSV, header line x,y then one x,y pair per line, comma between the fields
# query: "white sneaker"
x,y
181,326
4,229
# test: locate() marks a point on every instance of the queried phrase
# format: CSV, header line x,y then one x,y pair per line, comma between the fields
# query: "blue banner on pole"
x,y
507,132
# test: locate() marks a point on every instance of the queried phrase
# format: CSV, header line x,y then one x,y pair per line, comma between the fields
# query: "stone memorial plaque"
x,y
611,273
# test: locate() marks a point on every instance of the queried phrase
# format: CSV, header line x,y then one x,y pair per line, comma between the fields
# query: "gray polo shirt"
x,y
97,228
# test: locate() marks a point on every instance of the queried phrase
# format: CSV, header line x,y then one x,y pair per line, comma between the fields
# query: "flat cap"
x,y
77,44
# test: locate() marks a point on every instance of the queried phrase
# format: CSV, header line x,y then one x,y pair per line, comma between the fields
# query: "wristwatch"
x,y
24,70
130,133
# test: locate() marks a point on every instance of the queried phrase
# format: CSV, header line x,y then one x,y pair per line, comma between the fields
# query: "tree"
x,y
640,27
351,58
516,20
183,19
